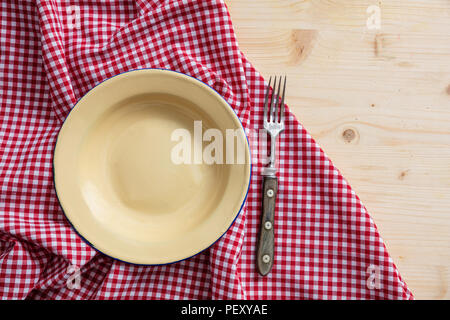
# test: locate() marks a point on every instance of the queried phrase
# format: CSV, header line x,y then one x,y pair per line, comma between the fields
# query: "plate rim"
x,y
90,244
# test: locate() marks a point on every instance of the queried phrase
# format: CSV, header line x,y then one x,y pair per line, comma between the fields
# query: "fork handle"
x,y
265,250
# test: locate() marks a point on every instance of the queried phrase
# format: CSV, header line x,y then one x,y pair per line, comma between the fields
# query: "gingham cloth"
x,y
327,246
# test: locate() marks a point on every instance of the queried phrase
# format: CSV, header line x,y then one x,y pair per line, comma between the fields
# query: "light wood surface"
x,y
378,102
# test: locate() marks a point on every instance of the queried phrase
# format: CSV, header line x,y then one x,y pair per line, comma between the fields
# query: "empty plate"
x,y
136,171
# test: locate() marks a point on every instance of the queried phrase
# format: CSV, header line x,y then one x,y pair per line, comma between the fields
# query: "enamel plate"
x,y
127,169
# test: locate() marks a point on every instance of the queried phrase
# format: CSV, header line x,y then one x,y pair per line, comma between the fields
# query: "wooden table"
x,y
375,94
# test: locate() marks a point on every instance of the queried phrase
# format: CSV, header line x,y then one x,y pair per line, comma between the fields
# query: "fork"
x,y
273,124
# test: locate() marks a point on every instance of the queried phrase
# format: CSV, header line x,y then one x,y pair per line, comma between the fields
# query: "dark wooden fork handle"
x,y
265,251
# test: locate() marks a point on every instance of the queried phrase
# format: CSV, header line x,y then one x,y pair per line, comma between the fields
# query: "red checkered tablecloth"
x,y
52,52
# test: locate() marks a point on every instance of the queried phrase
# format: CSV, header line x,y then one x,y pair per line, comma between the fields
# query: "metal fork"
x,y
273,124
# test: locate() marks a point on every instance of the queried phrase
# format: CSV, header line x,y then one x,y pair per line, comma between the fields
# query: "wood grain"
x,y
378,103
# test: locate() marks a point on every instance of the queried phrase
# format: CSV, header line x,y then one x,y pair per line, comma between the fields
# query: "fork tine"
x,y
277,102
266,99
282,101
271,109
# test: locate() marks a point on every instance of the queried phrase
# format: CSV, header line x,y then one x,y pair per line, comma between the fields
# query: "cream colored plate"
x,y
115,178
